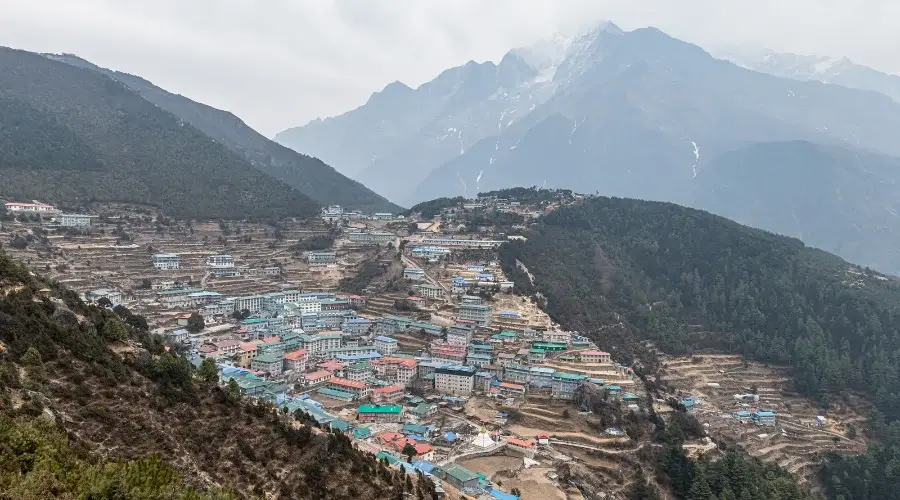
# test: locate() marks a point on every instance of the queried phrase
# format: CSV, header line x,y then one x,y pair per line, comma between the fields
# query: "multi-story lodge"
x,y
480,313
321,257
166,261
455,380
39,208
453,353
386,345
221,265
594,357
564,385
414,273
430,291
371,237
462,242
76,220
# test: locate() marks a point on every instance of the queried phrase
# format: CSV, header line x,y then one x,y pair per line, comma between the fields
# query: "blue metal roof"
x,y
424,466
500,495
357,357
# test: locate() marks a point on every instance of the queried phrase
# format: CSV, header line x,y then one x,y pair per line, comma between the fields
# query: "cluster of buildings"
x,y
219,265
336,213
359,360
80,221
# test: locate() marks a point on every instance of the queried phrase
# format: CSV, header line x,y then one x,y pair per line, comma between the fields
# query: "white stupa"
x,y
483,439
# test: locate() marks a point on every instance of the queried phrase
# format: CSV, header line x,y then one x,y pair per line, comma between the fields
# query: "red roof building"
x,y
357,387
317,377
387,394
594,356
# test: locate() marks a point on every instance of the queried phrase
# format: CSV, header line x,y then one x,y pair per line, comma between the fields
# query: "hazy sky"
x,y
280,63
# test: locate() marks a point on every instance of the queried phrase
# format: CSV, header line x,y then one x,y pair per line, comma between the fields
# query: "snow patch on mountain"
x,y
461,181
824,65
576,123
696,158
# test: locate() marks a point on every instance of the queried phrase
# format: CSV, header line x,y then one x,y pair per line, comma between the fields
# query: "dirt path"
x,y
532,432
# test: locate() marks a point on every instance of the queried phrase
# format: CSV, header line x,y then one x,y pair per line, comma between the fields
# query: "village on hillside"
x,y
404,333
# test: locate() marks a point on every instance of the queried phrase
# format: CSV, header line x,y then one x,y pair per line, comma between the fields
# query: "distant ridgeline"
x,y
661,267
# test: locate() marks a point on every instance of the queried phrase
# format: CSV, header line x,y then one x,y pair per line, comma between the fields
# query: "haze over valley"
x,y
523,253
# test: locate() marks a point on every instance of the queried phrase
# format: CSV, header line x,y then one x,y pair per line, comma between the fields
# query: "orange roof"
x,y
296,355
183,316
331,364
388,437
423,448
409,363
388,389
509,385
524,443
249,347
405,362
317,375
271,339
355,384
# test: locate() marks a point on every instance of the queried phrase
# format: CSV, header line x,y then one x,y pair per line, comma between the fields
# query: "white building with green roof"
x,y
380,413
269,363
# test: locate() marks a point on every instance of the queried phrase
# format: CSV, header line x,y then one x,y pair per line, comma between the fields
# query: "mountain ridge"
x,y
839,71
136,151
308,175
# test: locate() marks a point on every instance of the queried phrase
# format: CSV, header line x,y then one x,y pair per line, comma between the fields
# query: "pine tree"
x,y
700,490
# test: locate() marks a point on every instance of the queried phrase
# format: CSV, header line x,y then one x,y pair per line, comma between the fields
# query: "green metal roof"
x,y
266,358
422,409
458,472
391,458
380,409
569,376
340,425
337,394
253,321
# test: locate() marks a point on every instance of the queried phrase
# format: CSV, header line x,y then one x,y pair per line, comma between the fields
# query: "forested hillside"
x,y
70,135
308,175
687,279
88,398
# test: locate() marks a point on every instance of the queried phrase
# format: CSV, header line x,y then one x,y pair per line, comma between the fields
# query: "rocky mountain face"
x,y
838,71
634,114
604,111
841,200
307,175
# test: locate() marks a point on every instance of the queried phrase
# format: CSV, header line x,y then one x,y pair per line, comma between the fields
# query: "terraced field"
x,y
796,442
